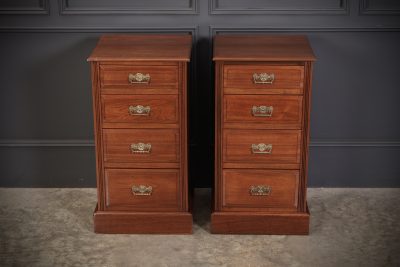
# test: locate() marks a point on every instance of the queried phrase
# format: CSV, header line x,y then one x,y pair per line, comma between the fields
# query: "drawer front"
x,y
140,108
265,110
142,77
142,189
263,79
260,190
261,146
141,145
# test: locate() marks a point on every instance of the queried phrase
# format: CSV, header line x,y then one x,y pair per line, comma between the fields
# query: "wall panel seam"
x,y
192,29
43,8
66,10
365,9
213,30
342,9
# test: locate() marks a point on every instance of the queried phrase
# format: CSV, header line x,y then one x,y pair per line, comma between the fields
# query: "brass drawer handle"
x,y
261,148
260,190
139,78
262,111
140,148
139,110
263,78
142,190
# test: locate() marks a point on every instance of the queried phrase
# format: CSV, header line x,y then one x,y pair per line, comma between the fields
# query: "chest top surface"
x,y
143,47
262,48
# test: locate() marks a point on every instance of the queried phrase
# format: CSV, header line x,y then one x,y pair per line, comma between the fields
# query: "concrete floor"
x,y
53,227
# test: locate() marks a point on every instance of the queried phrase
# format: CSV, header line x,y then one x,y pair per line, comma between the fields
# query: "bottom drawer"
x,y
142,190
260,190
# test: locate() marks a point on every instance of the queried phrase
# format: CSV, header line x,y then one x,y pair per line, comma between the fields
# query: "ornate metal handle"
x,y
140,148
139,78
263,78
262,111
261,148
142,190
139,110
260,190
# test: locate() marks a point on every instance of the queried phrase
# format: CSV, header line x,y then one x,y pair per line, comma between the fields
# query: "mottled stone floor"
x,y
53,227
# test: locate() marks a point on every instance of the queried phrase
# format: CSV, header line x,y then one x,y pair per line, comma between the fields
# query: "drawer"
x,y
141,78
140,108
141,145
263,79
142,189
266,111
245,190
261,146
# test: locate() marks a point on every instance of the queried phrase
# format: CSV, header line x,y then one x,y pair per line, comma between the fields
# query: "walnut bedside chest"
x,y
139,85
262,98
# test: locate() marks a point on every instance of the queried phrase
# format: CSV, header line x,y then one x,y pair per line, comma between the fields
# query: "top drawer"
x,y
140,78
263,79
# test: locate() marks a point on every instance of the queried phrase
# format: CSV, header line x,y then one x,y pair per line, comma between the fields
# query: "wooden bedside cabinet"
x,y
262,105
139,85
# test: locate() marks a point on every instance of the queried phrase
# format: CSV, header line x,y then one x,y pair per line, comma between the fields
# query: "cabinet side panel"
x,y
184,131
218,137
306,137
97,133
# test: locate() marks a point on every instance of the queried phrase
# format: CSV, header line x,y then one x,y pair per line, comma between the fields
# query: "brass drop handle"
x,y
260,190
139,78
261,148
262,111
141,148
263,78
139,110
142,190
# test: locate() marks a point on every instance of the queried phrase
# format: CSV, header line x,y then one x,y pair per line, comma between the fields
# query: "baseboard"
x,y
112,222
260,223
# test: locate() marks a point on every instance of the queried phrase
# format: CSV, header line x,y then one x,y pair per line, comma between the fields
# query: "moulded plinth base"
x,y
260,223
122,222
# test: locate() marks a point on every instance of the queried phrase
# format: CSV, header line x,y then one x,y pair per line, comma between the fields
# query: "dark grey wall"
x,y
45,103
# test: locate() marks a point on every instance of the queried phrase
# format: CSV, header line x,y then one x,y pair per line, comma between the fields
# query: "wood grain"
x,y
165,168
262,47
97,125
238,79
260,223
184,141
286,114
306,138
285,146
283,195
237,167
258,165
165,185
218,117
164,109
143,47
164,145
123,222
161,76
